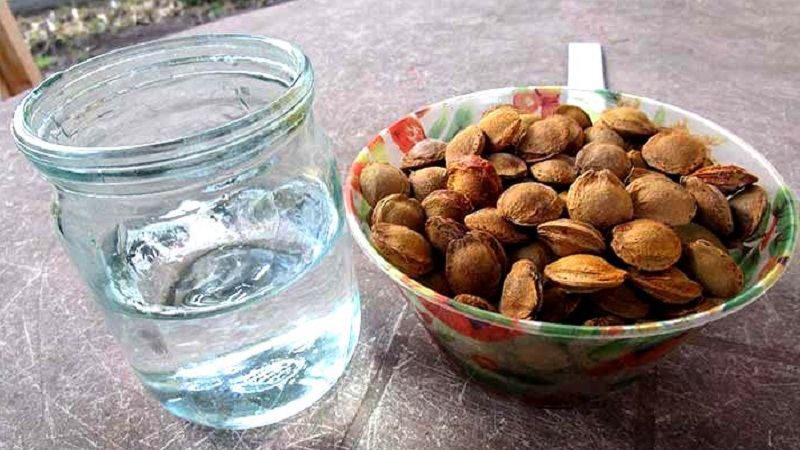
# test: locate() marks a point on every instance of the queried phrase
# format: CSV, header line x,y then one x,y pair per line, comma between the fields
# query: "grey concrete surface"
x,y
64,383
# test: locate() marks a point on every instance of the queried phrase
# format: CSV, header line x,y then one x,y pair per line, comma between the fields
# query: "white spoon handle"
x,y
585,66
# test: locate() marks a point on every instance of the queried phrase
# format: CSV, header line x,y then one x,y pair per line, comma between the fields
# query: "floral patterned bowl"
x,y
547,363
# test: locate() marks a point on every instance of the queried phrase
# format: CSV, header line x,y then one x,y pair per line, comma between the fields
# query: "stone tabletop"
x,y
64,384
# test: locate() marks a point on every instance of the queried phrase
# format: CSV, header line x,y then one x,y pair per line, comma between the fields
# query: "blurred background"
x,y
61,33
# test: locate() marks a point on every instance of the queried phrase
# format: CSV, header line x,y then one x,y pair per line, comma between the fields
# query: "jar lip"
x,y
297,91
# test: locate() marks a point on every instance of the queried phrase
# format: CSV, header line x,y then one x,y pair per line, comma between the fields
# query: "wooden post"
x,y
18,71
5,92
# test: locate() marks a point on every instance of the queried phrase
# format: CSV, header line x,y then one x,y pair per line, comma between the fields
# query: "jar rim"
x,y
297,93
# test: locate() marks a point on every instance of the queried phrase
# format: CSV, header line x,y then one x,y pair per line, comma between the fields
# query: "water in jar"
x,y
241,310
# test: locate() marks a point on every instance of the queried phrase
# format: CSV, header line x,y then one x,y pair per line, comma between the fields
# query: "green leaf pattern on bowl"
x,y
438,127
784,212
461,119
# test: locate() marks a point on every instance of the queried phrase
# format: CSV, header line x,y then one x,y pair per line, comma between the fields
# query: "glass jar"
x,y
202,207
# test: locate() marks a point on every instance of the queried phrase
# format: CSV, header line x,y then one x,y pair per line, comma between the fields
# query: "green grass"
x,y
67,35
43,61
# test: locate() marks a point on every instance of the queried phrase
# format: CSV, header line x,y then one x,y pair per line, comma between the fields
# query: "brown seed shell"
x,y
529,204
445,203
501,127
527,119
621,301
584,273
677,128
605,321
522,291
605,135
576,138
748,207
436,280
379,179
557,305
692,232
713,209
508,166
674,153
543,139
658,198
669,286
475,302
638,172
569,237
494,108
425,153
490,221
441,231
511,182
714,269
399,210
600,199
576,113
727,179
559,169
468,142
564,196
475,177
495,245
536,252
628,121
701,304
472,267
402,247
599,156
427,180
646,244
636,159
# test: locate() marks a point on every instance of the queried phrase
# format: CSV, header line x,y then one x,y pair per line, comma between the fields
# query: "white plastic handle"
x,y
585,66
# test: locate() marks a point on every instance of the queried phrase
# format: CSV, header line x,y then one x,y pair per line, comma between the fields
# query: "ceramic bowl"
x,y
547,363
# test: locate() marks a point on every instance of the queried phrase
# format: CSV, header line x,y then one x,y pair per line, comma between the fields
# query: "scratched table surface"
x,y
64,383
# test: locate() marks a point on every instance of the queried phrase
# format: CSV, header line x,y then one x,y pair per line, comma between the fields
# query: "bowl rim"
x,y
556,330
